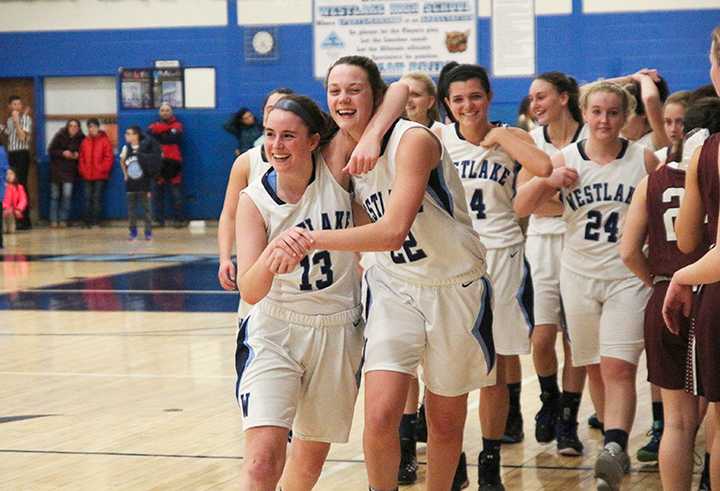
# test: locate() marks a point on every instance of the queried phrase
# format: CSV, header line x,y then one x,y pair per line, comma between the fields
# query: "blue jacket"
x,y
4,166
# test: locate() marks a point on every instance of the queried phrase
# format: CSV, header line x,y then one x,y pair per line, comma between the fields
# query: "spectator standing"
x,y
140,161
64,152
19,130
243,126
96,159
168,132
4,166
14,202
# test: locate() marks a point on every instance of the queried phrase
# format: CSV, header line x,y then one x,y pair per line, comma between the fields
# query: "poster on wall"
x,y
168,86
400,36
136,88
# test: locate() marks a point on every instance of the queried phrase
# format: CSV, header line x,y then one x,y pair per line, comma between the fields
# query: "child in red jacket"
x,y
14,203
96,160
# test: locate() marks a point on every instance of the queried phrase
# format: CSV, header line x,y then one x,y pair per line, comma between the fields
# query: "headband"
x,y
287,104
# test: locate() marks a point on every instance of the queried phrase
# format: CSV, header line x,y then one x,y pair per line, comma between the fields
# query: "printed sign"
x,y
399,35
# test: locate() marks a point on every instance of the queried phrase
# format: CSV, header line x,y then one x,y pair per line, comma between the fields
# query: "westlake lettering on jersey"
x,y
599,191
375,206
341,220
493,171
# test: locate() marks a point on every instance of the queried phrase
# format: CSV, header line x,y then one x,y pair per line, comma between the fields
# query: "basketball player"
x,y
554,103
246,167
488,157
651,216
701,199
427,255
604,302
422,108
304,332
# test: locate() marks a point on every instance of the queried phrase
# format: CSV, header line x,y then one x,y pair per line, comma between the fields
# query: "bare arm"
x,y
689,223
367,151
653,106
550,208
237,181
416,157
254,277
634,235
520,146
539,190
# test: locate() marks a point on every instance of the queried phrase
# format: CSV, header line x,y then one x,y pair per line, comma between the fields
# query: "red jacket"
x,y
168,134
96,157
15,197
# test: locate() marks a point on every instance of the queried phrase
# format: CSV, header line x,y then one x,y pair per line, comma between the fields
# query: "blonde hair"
x,y
715,45
430,88
681,97
627,100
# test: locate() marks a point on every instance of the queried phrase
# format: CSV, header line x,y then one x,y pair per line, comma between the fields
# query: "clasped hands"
x,y
284,252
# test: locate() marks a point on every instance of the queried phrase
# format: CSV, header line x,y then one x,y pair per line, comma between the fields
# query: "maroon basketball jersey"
x,y
665,189
708,181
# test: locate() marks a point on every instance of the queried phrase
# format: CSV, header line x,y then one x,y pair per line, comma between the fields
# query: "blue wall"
x,y
586,46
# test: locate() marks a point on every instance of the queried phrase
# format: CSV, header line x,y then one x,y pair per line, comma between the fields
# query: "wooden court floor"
x,y
117,371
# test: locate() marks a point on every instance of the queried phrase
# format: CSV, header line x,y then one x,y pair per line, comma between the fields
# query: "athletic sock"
x,y
407,426
658,414
491,445
618,436
549,384
569,406
514,391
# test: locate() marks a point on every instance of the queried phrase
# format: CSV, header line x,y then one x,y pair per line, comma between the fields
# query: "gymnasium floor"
x,y
117,370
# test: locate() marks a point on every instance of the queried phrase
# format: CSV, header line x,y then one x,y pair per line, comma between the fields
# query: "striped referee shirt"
x,y
15,143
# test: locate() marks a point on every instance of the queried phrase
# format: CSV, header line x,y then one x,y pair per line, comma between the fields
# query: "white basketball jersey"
x,y
441,247
324,282
595,210
646,141
488,176
550,225
259,164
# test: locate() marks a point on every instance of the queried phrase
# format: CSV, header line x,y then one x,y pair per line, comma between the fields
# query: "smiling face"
x,y
349,98
674,121
419,101
604,115
288,143
469,102
546,103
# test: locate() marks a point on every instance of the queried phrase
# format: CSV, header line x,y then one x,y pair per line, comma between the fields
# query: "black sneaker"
x,y
568,443
489,472
595,423
513,429
546,418
407,473
649,453
460,481
421,425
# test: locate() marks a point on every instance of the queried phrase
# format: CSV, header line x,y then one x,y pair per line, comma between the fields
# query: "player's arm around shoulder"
x,y
689,223
521,147
416,156
635,233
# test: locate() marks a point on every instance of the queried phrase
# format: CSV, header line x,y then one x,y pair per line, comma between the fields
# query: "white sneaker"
x,y
610,467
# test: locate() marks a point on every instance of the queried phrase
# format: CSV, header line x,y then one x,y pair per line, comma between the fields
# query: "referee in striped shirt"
x,y
19,129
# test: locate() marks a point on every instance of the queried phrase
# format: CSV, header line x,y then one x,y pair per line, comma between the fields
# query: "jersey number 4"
x,y
477,204
595,223
323,259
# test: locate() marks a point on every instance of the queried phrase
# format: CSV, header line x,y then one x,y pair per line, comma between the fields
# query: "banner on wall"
x,y
399,35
